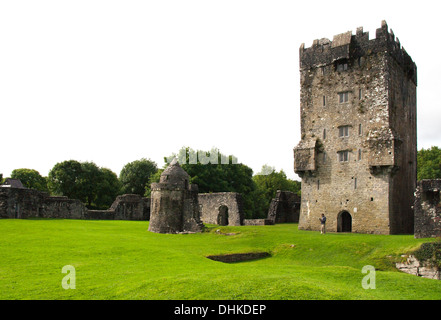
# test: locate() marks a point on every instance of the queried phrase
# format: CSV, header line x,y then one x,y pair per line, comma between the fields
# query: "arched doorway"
x,y
344,222
222,218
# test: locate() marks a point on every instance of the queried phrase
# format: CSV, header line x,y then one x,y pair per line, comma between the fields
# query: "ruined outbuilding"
x,y
357,154
284,208
428,209
222,208
174,203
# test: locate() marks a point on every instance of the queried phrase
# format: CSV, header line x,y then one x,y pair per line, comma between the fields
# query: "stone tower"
x,y
174,204
357,154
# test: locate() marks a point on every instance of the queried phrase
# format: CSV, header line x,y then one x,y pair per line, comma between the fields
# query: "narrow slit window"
x,y
324,101
355,183
359,154
360,130
324,134
360,94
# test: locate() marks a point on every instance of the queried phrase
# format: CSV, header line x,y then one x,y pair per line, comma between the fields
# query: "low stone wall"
x,y
257,222
413,266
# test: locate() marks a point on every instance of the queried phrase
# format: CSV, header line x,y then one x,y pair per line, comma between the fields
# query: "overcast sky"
x,y
115,81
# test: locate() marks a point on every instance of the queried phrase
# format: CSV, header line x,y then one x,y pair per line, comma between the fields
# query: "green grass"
x,y
122,260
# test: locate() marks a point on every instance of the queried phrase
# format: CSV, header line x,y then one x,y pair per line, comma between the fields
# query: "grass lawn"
x,y
122,260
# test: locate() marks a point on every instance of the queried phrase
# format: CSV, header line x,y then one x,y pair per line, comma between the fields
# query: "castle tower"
x,y
357,154
174,203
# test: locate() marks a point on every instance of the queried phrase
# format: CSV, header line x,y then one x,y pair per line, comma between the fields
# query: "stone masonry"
x,y
223,208
174,203
285,207
428,209
357,154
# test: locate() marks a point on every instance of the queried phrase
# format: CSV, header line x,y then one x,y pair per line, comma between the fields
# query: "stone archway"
x,y
222,218
344,222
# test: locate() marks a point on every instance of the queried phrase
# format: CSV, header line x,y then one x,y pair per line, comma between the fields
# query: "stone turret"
x,y
174,203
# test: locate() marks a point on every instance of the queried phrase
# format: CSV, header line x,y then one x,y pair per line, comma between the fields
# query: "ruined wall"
x,y
285,207
428,209
358,107
22,203
213,208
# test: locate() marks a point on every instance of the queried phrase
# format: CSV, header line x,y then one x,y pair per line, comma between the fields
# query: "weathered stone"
x,y
285,207
223,208
174,203
428,209
413,266
357,154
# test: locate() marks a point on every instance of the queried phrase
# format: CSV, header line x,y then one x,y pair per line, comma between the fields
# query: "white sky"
x,y
115,81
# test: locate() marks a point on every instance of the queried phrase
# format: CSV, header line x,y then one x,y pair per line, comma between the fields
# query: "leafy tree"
x,y
94,186
65,179
89,179
429,163
210,171
30,178
108,188
134,176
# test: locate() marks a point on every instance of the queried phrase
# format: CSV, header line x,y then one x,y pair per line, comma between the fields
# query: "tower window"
x,y
343,131
360,131
324,134
343,97
355,183
343,156
360,94
324,101
359,154
342,66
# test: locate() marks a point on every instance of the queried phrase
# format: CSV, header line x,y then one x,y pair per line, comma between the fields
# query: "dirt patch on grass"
x,y
239,257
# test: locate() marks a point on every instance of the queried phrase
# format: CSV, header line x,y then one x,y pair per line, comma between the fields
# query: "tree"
x,y
65,179
96,187
134,176
30,178
214,172
108,188
429,163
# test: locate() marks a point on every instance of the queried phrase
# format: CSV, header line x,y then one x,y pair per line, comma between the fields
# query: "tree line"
x,y
97,187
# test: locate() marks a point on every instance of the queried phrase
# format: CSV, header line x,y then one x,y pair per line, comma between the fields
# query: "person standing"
x,y
322,224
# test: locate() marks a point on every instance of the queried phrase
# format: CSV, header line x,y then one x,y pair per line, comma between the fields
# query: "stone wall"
x,y
224,208
258,222
428,209
285,207
22,203
415,267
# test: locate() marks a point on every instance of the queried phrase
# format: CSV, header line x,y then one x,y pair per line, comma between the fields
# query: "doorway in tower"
x,y
344,222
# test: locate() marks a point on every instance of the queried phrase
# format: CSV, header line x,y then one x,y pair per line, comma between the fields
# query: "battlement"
x,y
349,47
